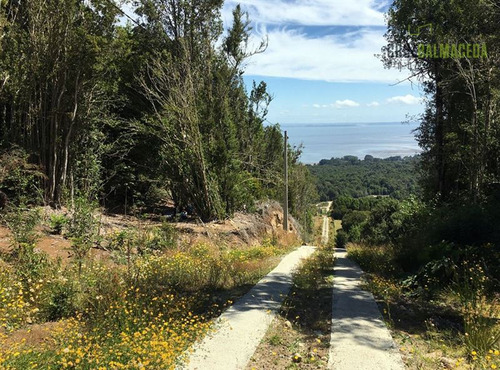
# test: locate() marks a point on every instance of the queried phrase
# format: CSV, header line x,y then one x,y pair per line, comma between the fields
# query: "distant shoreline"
x,y
346,124
336,140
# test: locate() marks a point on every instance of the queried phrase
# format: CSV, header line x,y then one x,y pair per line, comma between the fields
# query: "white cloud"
x,y
310,12
348,56
294,54
407,99
345,104
373,104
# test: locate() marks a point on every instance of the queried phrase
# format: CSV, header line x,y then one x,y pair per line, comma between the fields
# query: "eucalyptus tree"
x,y
436,42
53,91
201,111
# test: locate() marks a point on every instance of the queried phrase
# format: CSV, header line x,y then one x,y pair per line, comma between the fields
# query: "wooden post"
x,y
285,206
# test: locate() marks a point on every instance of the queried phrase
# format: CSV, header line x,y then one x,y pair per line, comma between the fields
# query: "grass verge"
x,y
144,312
450,328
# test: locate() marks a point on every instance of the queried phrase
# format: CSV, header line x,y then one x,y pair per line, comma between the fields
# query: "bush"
x,y
22,223
354,218
19,180
378,260
56,223
31,265
157,239
82,229
15,306
119,240
482,329
60,300
341,239
310,275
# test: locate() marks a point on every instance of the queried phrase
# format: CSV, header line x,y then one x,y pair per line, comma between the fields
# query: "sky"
x,y
320,64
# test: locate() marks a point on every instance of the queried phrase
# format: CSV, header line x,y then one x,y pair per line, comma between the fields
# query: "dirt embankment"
x,y
244,229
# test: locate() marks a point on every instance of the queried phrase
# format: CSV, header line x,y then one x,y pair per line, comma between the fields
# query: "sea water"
x,y
381,140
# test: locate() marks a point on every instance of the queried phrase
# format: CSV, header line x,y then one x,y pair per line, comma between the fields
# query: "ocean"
x,y
381,140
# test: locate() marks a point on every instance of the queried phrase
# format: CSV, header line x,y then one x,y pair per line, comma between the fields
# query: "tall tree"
x,y
459,127
52,93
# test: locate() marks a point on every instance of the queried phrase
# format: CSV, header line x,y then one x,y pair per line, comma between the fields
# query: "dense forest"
x,y
458,171
132,115
349,176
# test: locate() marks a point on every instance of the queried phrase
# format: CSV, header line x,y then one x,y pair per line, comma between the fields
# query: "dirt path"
x,y
240,329
360,340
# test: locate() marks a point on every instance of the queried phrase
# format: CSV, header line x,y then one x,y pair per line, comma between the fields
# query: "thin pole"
x,y
285,207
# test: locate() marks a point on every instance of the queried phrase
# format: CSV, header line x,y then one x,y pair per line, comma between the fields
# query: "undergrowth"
x,y
141,311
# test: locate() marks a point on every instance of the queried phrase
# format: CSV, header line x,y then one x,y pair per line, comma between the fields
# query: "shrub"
x,y
354,218
19,179
310,275
157,238
82,229
167,236
341,239
60,300
22,223
56,223
31,265
119,240
480,314
16,309
374,259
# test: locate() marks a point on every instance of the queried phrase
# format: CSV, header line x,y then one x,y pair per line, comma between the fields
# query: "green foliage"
x,y
377,260
353,219
54,73
341,239
155,239
480,313
311,274
22,223
202,267
138,115
119,240
345,204
19,179
82,229
459,130
351,177
302,196
31,265
57,223
60,299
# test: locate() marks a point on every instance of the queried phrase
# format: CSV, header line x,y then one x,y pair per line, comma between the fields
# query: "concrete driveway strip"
x,y
240,329
326,230
360,340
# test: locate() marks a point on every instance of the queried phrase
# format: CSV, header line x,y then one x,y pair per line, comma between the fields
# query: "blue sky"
x,y
320,63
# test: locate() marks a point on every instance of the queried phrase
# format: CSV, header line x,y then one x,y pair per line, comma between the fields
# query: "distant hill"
x,y
350,176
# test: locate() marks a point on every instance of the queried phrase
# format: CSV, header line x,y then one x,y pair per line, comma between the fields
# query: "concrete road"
x,y
360,340
326,230
240,329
